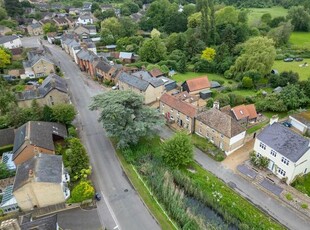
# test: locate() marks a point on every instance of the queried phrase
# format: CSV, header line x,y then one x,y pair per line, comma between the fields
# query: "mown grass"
x,y
300,39
257,127
281,115
304,72
144,194
255,14
181,77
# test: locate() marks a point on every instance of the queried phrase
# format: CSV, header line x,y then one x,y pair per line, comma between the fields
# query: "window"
x,y
163,105
187,118
171,110
262,145
258,155
281,171
285,161
273,153
171,118
213,130
222,136
187,125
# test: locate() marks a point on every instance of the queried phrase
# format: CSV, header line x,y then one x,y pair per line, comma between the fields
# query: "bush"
x,y
304,206
82,191
72,132
289,196
260,162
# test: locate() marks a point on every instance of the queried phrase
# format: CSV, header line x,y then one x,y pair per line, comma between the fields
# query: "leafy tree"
x,y
305,86
275,22
178,150
226,15
47,113
300,18
293,97
82,191
6,96
208,54
266,18
223,99
5,172
258,55
283,79
270,103
155,33
243,16
5,58
63,113
95,6
153,50
176,22
203,7
13,8
75,157
49,27
124,116
281,34
175,41
77,3
247,83
3,14
194,20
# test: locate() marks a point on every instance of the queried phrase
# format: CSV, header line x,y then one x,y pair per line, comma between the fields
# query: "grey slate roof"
x,y
147,77
6,137
283,140
33,59
44,167
35,25
39,133
86,55
53,81
105,67
5,39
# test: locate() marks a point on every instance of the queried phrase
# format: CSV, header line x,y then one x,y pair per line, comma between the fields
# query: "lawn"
x,y
181,77
303,184
254,128
300,39
304,72
256,13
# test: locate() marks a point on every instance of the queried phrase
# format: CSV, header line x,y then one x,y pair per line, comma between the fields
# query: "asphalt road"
x,y
285,215
121,207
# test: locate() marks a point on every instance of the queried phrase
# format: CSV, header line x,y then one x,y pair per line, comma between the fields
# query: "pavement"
x,y
79,219
121,206
283,213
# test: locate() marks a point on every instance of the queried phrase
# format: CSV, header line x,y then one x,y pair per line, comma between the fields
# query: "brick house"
x,y
196,85
221,129
34,137
87,61
178,111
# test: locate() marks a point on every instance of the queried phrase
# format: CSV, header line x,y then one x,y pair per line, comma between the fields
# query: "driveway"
x,y
79,219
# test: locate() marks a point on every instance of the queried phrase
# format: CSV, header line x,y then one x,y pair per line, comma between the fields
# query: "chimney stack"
x,y
273,119
30,174
216,105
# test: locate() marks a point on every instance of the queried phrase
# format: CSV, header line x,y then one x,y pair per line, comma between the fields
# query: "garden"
x,y
302,184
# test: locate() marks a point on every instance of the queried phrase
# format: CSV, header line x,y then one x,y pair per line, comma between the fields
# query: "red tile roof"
x,y
156,73
198,83
182,106
243,111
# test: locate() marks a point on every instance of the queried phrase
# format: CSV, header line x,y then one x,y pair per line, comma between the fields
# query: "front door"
x,y
271,165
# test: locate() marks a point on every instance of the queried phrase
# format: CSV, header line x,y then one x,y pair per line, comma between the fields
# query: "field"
x,y
300,40
304,72
256,13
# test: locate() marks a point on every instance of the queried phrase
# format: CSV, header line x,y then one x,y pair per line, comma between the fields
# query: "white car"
x,y
115,87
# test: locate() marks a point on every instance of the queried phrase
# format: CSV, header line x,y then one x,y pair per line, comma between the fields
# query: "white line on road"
x,y
111,211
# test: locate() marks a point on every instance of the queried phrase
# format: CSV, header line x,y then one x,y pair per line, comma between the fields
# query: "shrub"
x,y
72,132
82,191
260,162
6,148
289,196
304,206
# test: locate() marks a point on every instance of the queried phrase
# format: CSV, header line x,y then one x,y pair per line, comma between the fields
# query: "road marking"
x,y
111,211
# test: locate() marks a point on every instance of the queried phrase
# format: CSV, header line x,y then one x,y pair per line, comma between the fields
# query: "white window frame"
x,y
273,153
262,145
281,172
285,161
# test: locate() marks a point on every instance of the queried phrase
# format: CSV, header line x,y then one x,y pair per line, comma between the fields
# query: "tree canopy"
x,y
125,117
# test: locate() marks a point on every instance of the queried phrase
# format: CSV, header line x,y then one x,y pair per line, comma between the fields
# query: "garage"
x,y
296,124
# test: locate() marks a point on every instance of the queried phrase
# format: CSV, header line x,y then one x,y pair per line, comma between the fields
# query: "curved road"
x,y
121,207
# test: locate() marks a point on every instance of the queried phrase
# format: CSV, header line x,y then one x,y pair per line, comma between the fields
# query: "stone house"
x,y
34,137
52,91
220,129
178,111
196,85
35,29
10,42
150,88
61,22
104,71
288,152
40,182
85,19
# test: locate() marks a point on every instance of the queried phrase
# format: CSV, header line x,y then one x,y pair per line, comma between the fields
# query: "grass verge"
x,y
155,209
254,128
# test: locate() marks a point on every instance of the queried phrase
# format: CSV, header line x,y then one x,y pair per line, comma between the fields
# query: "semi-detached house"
x,y
287,151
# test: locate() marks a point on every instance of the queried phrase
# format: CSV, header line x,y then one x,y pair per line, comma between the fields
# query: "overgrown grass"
x,y
300,40
256,13
304,72
145,195
280,114
181,77
303,184
257,127
207,147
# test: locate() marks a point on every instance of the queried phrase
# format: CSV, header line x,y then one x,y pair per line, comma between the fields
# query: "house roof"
x,y
105,67
285,141
221,122
144,75
43,223
215,84
8,198
303,117
34,57
179,105
198,83
35,25
60,20
244,111
125,55
39,133
53,81
4,39
133,81
156,73
88,55
41,168
6,137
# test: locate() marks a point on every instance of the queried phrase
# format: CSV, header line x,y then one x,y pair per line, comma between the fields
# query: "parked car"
x,y
299,59
9,78
97,196
32,83
115,87
287,124
288,59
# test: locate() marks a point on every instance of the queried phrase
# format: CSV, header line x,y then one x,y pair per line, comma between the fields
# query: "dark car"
x,y
299,59
9,78
97,196
288,59
287,124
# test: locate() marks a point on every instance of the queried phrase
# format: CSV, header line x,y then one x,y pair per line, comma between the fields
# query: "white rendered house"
x,y
287,151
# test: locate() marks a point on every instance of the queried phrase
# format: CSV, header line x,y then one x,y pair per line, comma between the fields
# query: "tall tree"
x,y
178,151
13,8
203,7
124,116
5,58
153,50
257,55
212,23
300,18
63,113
